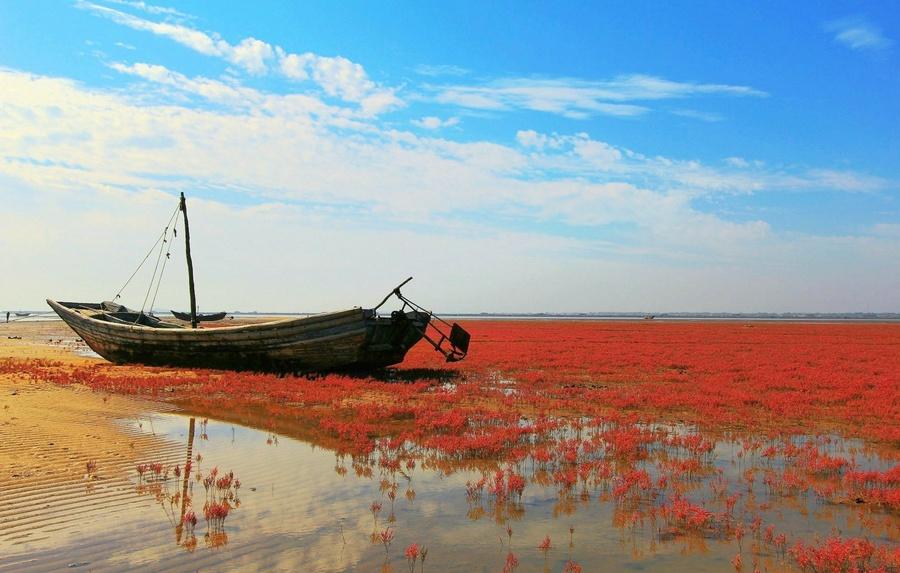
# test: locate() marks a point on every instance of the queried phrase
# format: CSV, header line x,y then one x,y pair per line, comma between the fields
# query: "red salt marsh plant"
x,y
511,563
386,536
411,553
190,521
215,513
632,414
786,377
837,555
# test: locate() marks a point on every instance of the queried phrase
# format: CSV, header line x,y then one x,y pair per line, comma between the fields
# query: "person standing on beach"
x,y
7,316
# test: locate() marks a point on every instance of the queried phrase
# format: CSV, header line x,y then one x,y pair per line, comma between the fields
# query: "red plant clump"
x,y
877,487
836,555
687,515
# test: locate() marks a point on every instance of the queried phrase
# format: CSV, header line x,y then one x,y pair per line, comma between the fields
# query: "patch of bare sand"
x,y
43,340
49,434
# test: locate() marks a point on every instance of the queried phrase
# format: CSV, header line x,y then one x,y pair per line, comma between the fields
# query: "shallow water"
x,y
303,508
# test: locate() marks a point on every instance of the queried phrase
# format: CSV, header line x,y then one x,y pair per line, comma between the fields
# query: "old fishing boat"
x,y
357,338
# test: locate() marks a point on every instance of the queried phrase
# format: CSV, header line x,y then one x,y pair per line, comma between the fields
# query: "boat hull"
x,y
350,339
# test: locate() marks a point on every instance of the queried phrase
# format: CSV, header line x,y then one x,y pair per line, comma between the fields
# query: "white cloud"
x,y
890,230
432,122
294,65
580,99
337,76
531,138
580,155
737,162
252,55
440,70
845,181
858,34
94,153
184,35
149,8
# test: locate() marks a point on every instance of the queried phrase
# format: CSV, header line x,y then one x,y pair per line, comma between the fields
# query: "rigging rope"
x,y
147,256
168,252
156,267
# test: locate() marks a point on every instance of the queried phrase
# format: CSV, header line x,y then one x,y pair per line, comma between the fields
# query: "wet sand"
x,y
50,433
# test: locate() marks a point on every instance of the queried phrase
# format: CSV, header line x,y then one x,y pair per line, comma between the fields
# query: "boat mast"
x,y
190,264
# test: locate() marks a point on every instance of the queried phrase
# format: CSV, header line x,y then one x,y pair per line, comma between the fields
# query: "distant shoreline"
x,y
598,316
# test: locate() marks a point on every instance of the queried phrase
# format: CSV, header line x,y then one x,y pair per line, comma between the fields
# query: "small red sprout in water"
x,y
190,521
412,554
781,543
386,535
512,562
375,508
216,512
509,534
756,525
739,533
572,567
91,467
546,544
738,562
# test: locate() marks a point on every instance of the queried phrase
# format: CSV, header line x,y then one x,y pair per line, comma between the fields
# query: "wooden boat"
x,y
210,317
350,339
355,338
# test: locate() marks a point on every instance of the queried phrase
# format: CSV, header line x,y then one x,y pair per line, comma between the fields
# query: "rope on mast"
x,y
168,252
147,256
156,267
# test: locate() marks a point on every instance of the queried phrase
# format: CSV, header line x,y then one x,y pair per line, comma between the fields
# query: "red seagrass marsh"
x,y
556,446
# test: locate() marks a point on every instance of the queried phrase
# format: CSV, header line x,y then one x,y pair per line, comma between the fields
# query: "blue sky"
x,y
514,156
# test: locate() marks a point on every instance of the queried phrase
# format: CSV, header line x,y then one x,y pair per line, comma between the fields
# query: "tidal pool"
x,y
301,507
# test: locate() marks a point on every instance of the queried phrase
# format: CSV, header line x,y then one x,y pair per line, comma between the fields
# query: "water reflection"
x,y
591,494
172,487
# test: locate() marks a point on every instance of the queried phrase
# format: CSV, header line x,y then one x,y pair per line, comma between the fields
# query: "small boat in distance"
x,y
209,317
358,339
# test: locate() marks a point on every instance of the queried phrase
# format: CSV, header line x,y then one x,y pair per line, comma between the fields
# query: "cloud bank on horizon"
x,y
548,185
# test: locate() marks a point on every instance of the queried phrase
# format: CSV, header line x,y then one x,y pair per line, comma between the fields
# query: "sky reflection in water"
x,y
301,507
